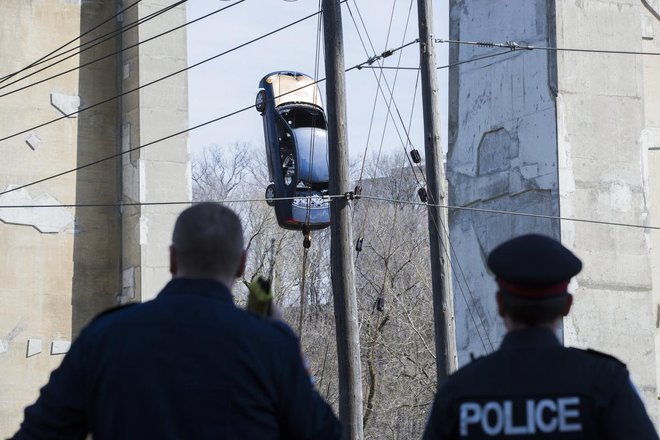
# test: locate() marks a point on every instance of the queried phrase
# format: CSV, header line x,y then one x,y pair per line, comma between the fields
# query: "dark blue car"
x,y
297,149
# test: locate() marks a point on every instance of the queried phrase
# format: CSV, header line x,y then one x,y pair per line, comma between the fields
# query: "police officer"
x,y
532,386
188,364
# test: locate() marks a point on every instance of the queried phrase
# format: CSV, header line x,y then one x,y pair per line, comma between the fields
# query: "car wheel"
x,y
270,195
260,101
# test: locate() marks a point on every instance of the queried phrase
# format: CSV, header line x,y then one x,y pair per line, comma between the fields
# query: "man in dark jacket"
x,y
187,365
533,387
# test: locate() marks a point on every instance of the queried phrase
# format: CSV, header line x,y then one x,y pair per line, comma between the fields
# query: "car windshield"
x,y
298,116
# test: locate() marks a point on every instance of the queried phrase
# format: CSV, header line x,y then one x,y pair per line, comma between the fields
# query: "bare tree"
x,y
219,171
392,277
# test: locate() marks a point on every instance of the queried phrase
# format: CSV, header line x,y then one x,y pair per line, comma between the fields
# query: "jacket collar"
x,y
530,338
198,286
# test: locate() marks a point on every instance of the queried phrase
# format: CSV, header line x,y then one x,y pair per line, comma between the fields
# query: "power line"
x,y
165,203
225,116
89,45
331,197
446,66
126,151
467,286
120,50
380,76
503,212
512,45
161,78
41,60
113,156
369,62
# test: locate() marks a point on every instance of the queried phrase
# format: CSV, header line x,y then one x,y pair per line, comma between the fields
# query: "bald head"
x,y
207,243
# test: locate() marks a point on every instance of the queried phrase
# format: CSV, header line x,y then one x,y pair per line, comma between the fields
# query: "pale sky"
x,y
230,82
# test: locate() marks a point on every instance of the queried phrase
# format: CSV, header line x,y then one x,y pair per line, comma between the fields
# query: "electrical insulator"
x,y
358,244
358,190
305,229
380,304
422,195
415,156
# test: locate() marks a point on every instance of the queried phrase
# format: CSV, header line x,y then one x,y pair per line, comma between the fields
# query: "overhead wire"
x,y
332,197
373,112
162,78
381,296
514,213
53,52
91,44
469,308
418,181
172,135
113,156
117,51
446,66
380,76
376,58
513,46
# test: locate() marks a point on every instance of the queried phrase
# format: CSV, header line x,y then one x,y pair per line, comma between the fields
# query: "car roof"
x,y
294,87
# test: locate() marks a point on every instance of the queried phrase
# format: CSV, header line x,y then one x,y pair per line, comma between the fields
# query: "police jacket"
x,y
533,387
187,365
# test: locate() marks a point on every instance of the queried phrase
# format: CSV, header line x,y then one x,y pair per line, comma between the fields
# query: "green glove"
x,y
260,299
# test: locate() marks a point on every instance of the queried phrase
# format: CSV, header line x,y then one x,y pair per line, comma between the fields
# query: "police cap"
x,y
533,266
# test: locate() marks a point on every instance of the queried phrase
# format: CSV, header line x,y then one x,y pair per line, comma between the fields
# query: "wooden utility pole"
x,y
341,256
443,303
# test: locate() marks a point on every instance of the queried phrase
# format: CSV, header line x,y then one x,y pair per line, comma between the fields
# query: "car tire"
x,y
270,195
260,101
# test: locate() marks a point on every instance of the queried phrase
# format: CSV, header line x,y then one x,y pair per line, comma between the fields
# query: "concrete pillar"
x,y
160,172
59,266
650,145
568,134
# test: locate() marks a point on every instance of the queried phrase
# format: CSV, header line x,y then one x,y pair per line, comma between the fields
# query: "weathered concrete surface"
x,y
502,152
600,120
650,144
161,171
49,220
36,268
571,134
61,266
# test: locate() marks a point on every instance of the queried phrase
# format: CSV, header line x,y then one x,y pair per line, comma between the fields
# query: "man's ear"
x,y
173,264
567,306
241,265
500,304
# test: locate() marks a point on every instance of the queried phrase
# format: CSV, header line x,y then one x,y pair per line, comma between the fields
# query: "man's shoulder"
x,y
597,356
277,328
112,313
475,367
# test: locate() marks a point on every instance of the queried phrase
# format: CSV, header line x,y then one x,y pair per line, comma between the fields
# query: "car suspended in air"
x,y
297,150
